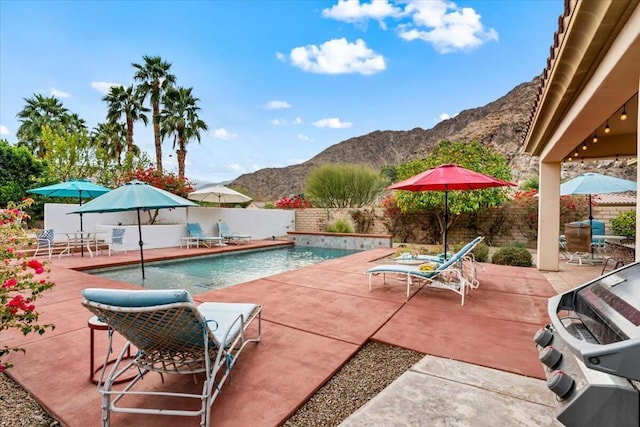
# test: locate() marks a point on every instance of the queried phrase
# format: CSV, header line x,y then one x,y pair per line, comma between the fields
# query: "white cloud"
x,y
298,120
338,56
303,137
333,123
58,93
443,116
255,167
353,11
236,168
278,122
446,26
281,56
222,133
4,130
103,87
277,105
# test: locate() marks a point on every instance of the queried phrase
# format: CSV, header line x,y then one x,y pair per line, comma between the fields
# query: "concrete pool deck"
x,y
482,363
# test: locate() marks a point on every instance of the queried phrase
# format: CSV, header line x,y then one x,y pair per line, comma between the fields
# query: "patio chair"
x,y
116,241
195,232
172,336
457,274
231,237
44,239
578,243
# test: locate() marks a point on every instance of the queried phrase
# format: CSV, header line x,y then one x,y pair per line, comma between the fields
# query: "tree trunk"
x,y
129,134
182,155
156,136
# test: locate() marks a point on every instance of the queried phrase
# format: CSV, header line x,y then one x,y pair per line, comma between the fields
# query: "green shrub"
x,y
514,254
339,226
480,252
624,224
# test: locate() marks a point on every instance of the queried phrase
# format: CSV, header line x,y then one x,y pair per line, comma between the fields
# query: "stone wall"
x,y
315,220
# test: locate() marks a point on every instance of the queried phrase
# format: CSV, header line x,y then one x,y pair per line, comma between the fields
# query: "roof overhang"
x,y
592,71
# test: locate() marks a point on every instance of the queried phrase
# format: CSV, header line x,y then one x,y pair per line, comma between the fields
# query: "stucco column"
x,y
548,216
638,180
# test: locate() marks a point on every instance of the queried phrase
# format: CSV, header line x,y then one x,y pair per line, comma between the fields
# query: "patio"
x,y
314,320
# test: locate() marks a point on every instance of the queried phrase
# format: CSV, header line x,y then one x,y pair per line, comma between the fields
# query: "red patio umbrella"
x,y
446,178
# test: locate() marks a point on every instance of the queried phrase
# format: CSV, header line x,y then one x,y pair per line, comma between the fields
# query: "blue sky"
x,y
278,81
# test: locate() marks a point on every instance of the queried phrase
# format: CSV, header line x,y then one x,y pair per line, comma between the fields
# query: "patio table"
x,y
77,239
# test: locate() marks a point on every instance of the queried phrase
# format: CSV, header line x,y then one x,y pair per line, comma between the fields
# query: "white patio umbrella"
x,y
220,194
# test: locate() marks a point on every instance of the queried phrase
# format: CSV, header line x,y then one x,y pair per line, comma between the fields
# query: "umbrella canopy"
x,y
220,194
80,188
446,178
135,195
595,183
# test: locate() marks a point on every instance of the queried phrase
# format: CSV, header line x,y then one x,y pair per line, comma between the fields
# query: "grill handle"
x,y
619,358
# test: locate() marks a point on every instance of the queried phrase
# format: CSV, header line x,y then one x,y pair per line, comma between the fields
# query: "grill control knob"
x,y
543,337
550,356
560,383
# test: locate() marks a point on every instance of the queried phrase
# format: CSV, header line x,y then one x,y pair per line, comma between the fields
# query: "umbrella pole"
x,y
81,242
446,221
591,226
140,243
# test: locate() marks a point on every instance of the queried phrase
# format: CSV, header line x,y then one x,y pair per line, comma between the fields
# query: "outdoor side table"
x,y
96,324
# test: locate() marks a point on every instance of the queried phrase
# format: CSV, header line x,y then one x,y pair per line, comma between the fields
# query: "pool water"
x,y
204,273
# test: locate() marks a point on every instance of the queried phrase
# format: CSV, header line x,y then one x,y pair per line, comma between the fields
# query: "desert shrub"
x,y
339,226
364,219
514,254
480,252
624,224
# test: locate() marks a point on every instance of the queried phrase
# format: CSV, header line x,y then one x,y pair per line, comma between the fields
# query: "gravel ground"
x,y
373,368
19,409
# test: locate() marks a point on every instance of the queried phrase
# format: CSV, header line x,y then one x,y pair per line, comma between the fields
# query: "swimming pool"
x,y
204,273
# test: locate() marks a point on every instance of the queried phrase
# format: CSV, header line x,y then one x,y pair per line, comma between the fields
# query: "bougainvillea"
x,y
22,280
167,181
296,202
572,208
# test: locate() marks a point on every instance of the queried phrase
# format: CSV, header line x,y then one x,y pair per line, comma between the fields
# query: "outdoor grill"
x,y
591,351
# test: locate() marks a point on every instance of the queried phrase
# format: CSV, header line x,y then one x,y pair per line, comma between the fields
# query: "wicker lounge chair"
x,y
457,274
173,336
232,237
195,231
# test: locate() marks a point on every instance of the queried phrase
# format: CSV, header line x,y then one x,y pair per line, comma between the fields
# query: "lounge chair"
x,y
44,240
457,274
172,336
195,231
232,237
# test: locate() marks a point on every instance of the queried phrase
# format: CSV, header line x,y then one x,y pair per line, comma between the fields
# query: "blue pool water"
x,y
201,274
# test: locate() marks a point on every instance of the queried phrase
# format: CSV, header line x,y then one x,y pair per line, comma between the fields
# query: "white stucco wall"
x,y
259,223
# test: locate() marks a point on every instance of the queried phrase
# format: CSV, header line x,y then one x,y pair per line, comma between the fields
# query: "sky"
x,y
278,81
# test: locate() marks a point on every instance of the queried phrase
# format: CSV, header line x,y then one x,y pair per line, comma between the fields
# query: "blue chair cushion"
x,y
135,298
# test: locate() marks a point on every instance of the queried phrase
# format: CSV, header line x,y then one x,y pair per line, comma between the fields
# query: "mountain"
x,y
500,124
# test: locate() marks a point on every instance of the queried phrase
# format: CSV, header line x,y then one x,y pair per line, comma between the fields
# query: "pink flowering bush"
x,y
296,202
22,280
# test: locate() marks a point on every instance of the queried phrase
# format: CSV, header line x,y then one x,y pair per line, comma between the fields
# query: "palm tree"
x,y
111,137
39,111
154,80
125,103
180,118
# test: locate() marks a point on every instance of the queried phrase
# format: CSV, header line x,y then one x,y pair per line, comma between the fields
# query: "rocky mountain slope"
x,y
500,124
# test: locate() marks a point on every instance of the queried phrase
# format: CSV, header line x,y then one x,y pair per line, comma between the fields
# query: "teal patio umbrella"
x,y
80,188
595,183
134,196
